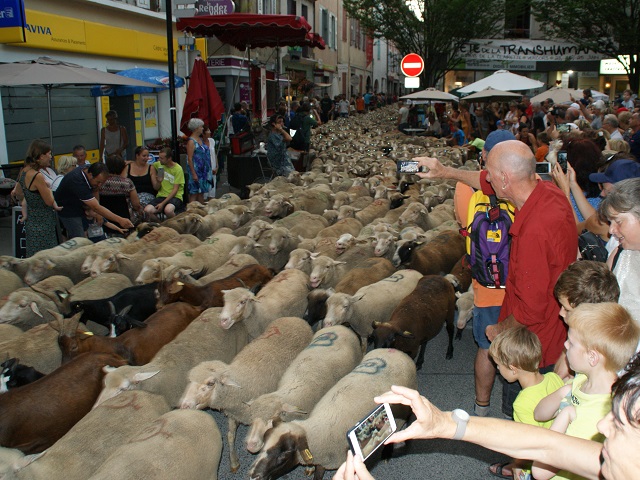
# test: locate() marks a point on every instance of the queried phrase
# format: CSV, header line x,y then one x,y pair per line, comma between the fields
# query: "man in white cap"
x,y
596,118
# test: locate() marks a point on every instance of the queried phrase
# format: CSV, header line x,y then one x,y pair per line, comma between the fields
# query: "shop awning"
x,y
315,41
243,30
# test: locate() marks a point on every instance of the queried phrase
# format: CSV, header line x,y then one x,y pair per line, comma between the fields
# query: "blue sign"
x,y
12,21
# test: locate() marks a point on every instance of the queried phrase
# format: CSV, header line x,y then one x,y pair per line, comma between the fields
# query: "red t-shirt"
x,y
543,244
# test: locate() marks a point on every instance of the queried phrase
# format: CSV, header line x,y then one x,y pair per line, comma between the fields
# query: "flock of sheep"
x,y
262,309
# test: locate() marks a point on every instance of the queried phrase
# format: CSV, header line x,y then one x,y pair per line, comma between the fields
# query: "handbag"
x,y
592,247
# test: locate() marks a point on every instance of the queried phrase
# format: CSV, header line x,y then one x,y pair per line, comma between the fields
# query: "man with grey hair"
x,y
597,116
611,124
544,243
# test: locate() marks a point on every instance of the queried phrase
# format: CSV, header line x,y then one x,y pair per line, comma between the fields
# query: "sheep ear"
x,y
407,334
175,287
225,380
126,310
315,254
458,294
288,408
141,377
49,264
376,324
108,369
35,309
335,262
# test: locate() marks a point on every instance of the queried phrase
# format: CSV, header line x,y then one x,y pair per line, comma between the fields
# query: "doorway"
x,y
126,118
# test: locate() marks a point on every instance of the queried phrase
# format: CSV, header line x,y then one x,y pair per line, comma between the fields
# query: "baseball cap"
x,y
598,104
617,171
496,137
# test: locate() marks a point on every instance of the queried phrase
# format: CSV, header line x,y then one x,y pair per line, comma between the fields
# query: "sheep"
x,y
97,436
27,309
321,439
139,345
210,295
37,347
285,295
20,266
377,208
301,223
261,253
106,285
231,266
152,454
256,370
460,275
369,271
9,332
231,217
9,282
332,354
258,227
436,257
326,272
346,225
464,305
373,302
210,255
301,258
34,417
384,244
418,318
311,200
166,374
279,239
347,211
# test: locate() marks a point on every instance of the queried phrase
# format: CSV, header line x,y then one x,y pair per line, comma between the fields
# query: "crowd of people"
x,y
563,334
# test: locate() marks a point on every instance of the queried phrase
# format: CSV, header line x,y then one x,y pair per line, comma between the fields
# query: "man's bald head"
x,y
514,158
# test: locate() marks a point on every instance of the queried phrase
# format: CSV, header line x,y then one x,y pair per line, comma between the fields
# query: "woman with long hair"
x,y
41,221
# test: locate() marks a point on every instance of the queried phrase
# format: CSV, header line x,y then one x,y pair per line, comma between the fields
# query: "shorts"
x,y
74,226
176,202
482,318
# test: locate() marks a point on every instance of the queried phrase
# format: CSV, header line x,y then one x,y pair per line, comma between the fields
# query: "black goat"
x,y
13,374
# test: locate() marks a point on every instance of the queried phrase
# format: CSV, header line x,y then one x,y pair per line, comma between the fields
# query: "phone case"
x,y
371,432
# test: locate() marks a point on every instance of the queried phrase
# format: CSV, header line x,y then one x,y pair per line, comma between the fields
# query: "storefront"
x,y
78,34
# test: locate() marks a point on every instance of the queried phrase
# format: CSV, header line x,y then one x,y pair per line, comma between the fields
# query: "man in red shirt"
x,y
544,243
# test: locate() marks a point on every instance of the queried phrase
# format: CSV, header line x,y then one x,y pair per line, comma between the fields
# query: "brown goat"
x,y
418,318
460,275
210,295
35,416
436,257
139,345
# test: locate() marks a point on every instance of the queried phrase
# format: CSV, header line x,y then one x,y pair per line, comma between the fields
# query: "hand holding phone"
x,y
372,431
562,160
409,166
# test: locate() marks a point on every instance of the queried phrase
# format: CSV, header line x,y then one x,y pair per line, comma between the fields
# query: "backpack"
x,y
488,240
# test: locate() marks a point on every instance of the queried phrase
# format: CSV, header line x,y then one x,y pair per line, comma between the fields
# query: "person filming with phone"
x,y
169,198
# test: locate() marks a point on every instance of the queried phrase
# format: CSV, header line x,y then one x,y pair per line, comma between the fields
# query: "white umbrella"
x,y
563,95
431,94
492,94
502,80
49,72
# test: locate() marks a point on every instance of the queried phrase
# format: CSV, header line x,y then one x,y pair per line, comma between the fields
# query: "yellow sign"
x,y
55,32
150,105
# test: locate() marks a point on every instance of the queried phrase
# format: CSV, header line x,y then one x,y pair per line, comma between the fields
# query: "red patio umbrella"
x,y
314,40
249,30
202,99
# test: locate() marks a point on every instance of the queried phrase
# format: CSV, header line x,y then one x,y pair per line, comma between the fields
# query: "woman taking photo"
x,y
41,222
144,177
198,170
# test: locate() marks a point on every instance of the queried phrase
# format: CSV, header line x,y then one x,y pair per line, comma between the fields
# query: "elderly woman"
x,y
621,207
198,173
66,163
616,459
277,147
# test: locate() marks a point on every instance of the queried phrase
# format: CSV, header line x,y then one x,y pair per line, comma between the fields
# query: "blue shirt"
x,y
634,141
459,137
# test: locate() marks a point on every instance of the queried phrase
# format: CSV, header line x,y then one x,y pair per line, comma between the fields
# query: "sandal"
x,y
497,469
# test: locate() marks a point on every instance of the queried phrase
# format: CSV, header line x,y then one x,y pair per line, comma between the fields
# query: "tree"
x,y
611,28
434,29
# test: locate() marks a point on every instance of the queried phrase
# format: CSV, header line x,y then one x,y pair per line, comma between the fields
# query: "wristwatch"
x,y
461,418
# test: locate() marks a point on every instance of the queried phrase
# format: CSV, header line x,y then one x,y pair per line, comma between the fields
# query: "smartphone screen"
x,y
543,167
562,160
408,166
372,431
563,128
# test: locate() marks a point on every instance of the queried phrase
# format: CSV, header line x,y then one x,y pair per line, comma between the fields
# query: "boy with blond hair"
x,y
602,338
517,353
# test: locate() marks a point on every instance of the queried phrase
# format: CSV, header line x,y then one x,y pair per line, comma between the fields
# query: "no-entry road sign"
x,y
412,65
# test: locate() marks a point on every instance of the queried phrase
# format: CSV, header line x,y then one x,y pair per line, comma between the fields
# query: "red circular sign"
x,y
412,65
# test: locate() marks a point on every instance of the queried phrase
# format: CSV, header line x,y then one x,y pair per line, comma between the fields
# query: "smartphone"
x,y
562,160
543,168
408,166
372,431
563,128
160,173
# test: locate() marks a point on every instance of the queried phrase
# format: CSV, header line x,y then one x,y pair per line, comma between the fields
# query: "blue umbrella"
x,y
150,75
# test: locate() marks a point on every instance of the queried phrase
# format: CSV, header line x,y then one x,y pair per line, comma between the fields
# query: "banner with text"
x,y
531,50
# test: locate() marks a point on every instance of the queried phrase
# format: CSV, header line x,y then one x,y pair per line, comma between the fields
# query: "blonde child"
x,y
602,338
517,353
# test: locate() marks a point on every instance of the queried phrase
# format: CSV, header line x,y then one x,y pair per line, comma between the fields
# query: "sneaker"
x,y
480,410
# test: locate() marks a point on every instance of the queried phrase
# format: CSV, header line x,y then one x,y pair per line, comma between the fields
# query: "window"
x,y
324,25
378,47
332,33
517,20
304,12
344,25
292,8
267,7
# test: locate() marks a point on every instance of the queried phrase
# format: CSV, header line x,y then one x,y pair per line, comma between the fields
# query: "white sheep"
x,y
332,354
166,374
464,305
326,272
100,433
374,302
321,440
300,258
179,444
284,296
26,309
9,282
256,370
